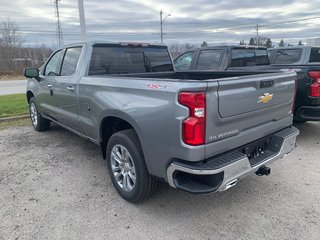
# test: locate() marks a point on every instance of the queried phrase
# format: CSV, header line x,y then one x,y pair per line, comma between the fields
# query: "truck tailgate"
x,y
244,109
238,96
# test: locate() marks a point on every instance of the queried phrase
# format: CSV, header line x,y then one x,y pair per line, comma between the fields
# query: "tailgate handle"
x,y
265,84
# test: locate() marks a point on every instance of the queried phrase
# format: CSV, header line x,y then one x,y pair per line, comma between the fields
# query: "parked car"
x,y
306,61
200,132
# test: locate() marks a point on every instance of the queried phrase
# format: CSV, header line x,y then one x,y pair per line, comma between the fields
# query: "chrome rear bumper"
x,y
231,168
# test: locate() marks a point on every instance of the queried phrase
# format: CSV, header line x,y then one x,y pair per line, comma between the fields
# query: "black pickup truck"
x,y
305,60
246,60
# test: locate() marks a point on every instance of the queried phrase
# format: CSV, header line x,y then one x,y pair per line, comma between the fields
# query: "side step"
x,y
198,183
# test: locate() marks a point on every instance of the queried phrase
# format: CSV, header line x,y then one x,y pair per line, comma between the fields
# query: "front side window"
x,y
70,61
54,65
208,59
123,60
249,57
184,61
315,55
287,56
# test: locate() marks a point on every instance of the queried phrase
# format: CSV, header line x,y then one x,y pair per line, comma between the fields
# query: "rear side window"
x,y
287,56
123,59
70,61
315,55
208,59
249,57
184,61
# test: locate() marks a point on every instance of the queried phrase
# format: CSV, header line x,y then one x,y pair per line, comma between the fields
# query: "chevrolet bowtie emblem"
x,y
267,97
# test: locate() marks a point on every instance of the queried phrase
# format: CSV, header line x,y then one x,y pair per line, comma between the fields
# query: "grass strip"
x,y
13,105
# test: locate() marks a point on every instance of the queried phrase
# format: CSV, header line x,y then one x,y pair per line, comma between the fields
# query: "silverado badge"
x,y
267,97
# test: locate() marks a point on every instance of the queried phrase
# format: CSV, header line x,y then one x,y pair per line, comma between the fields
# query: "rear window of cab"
x,y
287,56
107,59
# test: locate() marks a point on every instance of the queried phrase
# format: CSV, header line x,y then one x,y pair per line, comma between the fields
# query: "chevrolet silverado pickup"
x,y
229,58
198,131
306,62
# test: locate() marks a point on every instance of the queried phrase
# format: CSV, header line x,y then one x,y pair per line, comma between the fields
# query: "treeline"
x,y
266,42
14,56
14,60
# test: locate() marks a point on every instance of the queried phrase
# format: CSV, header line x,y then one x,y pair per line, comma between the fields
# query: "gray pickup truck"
x,y
199,131
229,58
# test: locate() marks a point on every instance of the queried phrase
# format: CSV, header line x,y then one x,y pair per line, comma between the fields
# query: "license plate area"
x,y
256,148
260,150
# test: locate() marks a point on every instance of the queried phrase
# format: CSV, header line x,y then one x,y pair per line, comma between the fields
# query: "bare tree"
x,y
10,43
14,55
176,49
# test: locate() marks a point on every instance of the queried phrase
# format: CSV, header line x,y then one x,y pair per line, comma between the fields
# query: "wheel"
x,y
127,168
38,122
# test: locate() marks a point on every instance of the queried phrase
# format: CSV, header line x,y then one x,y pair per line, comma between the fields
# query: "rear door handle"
x,y
70,88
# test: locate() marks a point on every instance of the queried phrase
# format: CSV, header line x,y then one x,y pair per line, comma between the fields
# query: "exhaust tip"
x,y
231,184
263,171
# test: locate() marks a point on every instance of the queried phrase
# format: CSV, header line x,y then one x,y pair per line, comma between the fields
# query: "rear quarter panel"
x,y
150,106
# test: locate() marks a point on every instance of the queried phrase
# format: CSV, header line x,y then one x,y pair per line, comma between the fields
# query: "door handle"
x,y
70,88
49,85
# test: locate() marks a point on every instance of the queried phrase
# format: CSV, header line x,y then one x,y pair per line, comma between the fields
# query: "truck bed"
x,y
193,75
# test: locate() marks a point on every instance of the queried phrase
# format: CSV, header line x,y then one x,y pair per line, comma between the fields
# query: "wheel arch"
x,y
112,123
29,95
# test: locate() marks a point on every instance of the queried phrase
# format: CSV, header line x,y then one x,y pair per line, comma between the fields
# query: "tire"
x,y
125,157
38,122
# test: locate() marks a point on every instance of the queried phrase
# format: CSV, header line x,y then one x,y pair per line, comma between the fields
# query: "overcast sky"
x,y
227,21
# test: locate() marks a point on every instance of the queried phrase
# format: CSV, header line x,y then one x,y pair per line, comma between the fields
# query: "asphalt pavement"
x,y
12,86
54,185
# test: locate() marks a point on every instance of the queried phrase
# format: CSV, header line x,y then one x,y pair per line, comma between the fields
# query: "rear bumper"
x,y
222,172
308,113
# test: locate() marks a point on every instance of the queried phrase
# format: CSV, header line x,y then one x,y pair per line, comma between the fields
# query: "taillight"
x,y
194,127
315,87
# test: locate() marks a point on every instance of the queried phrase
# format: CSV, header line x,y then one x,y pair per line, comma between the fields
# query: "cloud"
x,y
190,21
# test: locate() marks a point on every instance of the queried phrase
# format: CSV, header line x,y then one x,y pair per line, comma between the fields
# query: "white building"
x,y
313,41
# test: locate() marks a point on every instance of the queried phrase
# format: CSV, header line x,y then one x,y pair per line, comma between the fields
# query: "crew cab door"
x,y
65,89
47,78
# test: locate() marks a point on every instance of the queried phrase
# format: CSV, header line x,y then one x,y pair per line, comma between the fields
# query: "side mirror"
x,y
31,72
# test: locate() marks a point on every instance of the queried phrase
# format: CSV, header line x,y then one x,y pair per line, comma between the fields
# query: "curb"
x,y
9,119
